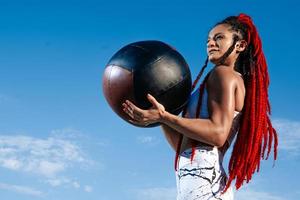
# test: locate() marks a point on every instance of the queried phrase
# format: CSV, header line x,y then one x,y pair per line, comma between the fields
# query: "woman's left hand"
x,y
142,117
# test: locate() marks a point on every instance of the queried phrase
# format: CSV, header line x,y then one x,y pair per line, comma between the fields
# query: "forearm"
x,y
203,130
171,135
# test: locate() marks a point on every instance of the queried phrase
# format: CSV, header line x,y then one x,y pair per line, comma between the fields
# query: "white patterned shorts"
x,y
204,178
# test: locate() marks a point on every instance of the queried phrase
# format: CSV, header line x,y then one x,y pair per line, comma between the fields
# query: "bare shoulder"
x,y
223,75
224,83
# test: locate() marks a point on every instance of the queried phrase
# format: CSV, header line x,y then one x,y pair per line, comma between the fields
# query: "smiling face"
x,y
220,39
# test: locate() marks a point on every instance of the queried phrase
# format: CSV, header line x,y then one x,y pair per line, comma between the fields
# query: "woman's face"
x,y
219,40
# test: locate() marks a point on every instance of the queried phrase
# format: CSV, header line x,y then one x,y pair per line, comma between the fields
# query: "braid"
x,y
256,132
200,74
229,51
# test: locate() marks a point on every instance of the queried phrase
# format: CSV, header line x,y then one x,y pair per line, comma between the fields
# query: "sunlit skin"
x,y
226,92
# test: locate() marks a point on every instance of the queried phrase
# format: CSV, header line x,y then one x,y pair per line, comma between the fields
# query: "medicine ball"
x,y
147,67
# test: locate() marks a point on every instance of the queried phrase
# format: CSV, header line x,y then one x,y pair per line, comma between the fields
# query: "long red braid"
x,y
256,132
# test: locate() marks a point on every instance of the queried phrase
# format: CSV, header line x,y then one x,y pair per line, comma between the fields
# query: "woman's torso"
x,y
202,176
188,143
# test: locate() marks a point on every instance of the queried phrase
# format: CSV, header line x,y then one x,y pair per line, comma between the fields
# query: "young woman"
x,y
231,101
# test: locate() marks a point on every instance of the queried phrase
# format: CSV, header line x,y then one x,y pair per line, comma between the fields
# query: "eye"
x,y
219,37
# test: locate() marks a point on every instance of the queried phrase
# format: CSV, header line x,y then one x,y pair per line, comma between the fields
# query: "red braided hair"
x,y
256,130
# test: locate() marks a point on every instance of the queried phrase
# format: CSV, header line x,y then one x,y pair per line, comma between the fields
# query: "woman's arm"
x,y
221,105
221,88
171,135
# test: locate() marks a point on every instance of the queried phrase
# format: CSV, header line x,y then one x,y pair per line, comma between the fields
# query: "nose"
x,y
211,43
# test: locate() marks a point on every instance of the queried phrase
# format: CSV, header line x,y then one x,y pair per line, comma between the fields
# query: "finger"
x,y
138,116
137,112
127,104
133,107
131,113
126,108
153,100
128,112
131,110
137,123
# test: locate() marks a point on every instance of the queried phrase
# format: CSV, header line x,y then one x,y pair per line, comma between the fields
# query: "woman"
x,y
233,98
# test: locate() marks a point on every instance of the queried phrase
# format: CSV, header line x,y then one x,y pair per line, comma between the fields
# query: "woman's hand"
x,y
144,117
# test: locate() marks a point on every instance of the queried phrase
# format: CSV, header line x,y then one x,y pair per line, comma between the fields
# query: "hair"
x,y
256,132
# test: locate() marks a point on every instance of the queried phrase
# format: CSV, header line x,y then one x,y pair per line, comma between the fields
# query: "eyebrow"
x,y
216,35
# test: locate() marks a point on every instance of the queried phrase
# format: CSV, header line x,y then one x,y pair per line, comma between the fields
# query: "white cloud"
x,y
88,188
146,139
67,133
46,157
21,189
156,193
103,143
288,134
12,164
49,158
76,184
250,194
50,169
55,182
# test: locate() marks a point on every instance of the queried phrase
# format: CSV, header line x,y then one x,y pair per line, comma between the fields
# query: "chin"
x,y
213,60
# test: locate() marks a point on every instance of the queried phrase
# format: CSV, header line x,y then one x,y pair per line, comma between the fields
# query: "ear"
x,y
241,46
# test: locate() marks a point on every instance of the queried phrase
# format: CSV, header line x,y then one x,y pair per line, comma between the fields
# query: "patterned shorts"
x,y
204,178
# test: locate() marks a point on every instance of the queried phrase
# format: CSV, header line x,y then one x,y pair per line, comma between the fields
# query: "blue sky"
x,y
60,140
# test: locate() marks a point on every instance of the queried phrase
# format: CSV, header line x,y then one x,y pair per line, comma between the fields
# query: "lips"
x,y
212,50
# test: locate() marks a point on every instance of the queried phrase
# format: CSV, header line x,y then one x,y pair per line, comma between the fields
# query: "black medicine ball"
x,y
147,67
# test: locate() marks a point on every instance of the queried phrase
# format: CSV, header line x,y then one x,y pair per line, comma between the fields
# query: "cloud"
x,y
88,188
50,169
73,134
146,139
250,194
46,157
55,182
288,134
67,133
156,193
76,184
12,164
21,189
